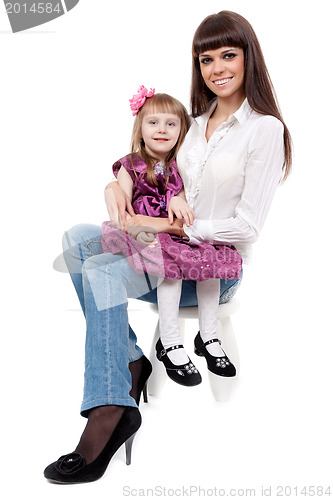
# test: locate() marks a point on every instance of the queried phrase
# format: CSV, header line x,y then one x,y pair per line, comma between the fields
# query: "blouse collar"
x,y
241,115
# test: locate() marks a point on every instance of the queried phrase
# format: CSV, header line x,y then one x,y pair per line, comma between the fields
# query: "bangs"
x,y
162,103
215,32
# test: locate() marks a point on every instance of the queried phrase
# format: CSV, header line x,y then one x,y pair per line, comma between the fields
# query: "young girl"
x,y
150,178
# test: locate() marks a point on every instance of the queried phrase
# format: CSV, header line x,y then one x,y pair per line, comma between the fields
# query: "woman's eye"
x,y
205,60
230,55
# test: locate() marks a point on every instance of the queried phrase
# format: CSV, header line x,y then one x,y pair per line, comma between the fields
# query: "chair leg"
x,y
222,387
158,377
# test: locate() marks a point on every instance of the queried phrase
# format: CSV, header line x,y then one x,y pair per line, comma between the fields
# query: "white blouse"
x,y
231,179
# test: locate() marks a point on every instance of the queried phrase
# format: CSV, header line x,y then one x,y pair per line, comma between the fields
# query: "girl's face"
x,y
223,71
160,132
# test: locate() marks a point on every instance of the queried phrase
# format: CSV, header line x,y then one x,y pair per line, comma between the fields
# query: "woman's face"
x,y
223,71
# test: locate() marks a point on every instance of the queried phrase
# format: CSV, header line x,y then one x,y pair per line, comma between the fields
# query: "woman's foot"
x,y
184,373
100,426
92,455
219,364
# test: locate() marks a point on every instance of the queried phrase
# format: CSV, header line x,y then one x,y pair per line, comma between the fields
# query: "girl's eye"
x,y
171,124
153,122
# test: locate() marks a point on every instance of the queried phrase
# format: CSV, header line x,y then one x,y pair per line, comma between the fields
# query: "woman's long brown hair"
x,y
228,29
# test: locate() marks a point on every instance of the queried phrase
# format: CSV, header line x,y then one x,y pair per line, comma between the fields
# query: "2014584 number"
x,y
311,491
35,8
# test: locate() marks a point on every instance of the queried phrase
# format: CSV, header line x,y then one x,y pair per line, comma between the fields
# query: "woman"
x,y
231,162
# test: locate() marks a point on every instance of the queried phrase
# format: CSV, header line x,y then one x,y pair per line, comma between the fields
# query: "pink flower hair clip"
x,y
139,99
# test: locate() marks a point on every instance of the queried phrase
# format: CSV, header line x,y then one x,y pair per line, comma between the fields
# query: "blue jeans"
x,y
103,283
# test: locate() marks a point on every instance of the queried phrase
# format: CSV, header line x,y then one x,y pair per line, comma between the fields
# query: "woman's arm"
x,y
117,202
138,223
262,175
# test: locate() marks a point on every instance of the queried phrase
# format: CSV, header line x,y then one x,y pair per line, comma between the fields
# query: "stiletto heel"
x,y
142,382
128,447
145,393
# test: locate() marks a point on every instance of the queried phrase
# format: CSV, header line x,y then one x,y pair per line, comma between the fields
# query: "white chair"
x,y
221,387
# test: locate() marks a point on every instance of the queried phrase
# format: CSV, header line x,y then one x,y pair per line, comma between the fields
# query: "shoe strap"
x,y
212,341
164,351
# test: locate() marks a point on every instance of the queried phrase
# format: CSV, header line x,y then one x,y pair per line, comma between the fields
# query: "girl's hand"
x,y
147,239
117,202
181,209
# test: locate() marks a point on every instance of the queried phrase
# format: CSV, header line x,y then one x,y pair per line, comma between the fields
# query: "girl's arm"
x,y
117,202
180,208
125,182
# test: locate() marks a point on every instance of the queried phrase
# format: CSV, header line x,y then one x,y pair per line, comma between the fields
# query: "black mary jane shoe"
x,y
220,365
181,374
72,468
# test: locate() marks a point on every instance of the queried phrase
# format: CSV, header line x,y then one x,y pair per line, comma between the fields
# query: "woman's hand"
x,y
181,209
154,225
117,202
147,239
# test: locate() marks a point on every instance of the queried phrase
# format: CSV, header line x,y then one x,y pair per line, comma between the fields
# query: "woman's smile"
x,y
222,82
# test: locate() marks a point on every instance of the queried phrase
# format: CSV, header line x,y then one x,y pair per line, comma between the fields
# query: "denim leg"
x,y
108,280
79,243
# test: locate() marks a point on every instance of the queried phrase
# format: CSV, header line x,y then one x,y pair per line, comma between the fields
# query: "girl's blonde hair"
x,y
158,103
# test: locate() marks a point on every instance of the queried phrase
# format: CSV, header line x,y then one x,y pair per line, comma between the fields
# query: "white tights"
x,y
168,297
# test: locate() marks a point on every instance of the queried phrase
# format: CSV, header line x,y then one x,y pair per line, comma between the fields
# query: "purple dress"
x,y
173,257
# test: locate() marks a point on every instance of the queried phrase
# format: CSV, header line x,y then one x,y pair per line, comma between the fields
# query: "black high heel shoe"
x,y
144,376
220,365
181,374
72,468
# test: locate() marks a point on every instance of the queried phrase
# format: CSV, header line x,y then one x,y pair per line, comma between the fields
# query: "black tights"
x,y
102,420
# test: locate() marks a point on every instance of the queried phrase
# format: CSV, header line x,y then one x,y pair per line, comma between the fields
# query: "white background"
x,y
64,120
